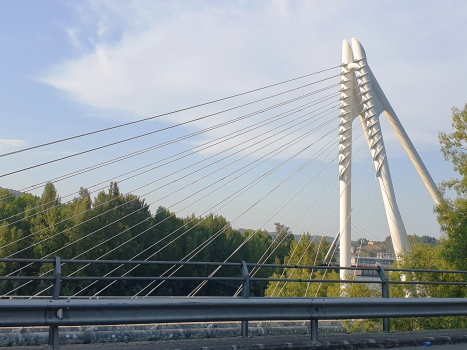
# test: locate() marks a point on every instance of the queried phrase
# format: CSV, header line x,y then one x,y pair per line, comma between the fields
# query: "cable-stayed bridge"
x,y
289,152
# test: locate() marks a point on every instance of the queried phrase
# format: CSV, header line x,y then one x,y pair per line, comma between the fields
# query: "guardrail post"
x,y
385,294
53,330
314,330
245,294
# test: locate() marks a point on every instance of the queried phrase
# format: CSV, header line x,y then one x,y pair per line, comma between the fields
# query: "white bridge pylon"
x,y
362,97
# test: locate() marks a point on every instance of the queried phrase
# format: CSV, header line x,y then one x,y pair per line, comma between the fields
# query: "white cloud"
x,y
10,145
150,58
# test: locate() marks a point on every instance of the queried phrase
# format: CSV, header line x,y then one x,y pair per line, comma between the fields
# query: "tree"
x,y
306,251
452,213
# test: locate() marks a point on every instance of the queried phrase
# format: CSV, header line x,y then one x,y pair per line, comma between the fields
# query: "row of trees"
x,y
121,226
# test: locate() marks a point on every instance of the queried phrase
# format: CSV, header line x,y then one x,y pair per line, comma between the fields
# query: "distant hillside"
x,y
297,237
16,193
372,248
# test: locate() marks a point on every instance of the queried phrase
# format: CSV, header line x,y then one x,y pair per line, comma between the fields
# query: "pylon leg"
x,y
348,114
372,108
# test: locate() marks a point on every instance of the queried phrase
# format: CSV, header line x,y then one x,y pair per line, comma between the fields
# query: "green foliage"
x,y
120,226
452,213
302,252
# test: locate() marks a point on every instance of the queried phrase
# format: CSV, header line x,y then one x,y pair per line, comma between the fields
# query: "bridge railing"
x,y
243,266
73,312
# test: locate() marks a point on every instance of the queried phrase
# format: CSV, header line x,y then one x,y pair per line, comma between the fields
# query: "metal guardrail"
x,y
57,312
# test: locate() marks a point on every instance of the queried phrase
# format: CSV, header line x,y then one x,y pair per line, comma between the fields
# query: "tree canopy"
x,y
452,213
120,226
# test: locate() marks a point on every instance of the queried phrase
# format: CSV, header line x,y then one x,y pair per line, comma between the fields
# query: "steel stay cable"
x,y
181,138
366,220
313,205
329,263
322,237
385,190
245,188
156,131
256,269
214,236
204,282
160,115
355,202
358,194
350,178
209,238
28,282
316,257
122,195
88,187
319,234
199,248
321,240
346,186
165,237
335,248
136,152
367,232
180,178
362,235
218,233
196,290
351,158
300,138
253,272
326,271
331,208
260,179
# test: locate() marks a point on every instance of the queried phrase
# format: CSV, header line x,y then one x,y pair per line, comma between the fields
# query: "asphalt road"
x,y
161,345
438,347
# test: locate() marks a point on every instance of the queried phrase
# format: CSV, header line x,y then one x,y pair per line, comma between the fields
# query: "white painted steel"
x,y
406,143
348,114
372,108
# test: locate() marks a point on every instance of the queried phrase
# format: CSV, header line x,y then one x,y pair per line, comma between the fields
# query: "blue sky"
x,y
72,67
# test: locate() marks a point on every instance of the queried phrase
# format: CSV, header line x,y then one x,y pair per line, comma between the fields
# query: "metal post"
x,y
314,330
246,295
385,294
58,278
53,331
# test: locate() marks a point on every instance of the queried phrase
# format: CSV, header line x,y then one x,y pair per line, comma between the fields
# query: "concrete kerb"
x,y
299,342
103,334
